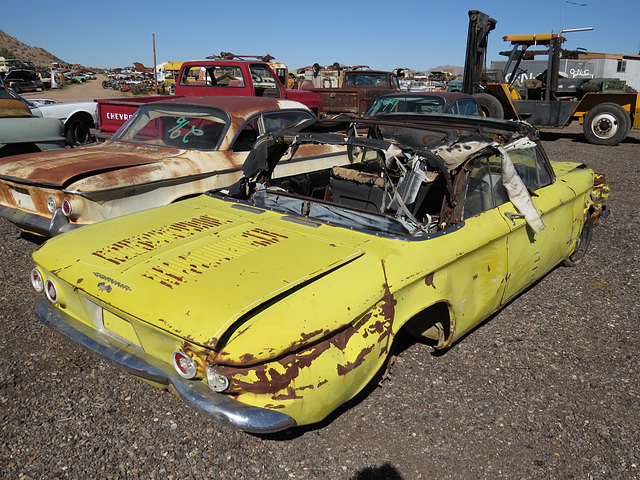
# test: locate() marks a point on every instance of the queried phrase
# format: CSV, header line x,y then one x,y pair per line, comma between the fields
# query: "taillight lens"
x,y
67,210
184,364
51,291
37,281
217,382
51,204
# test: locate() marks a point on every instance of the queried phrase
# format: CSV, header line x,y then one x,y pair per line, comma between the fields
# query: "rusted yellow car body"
x,y
284,317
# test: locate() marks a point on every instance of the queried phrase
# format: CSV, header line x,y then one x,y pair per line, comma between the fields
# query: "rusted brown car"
x,y
166,152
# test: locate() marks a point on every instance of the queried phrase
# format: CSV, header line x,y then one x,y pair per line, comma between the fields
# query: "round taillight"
x,y
51,291
51,204
37,281
184,364
66,208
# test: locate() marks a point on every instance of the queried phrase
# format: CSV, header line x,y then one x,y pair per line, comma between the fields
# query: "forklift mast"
x,y
480,25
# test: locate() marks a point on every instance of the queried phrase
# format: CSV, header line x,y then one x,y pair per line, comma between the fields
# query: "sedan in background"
x,y
22,132
425,102
78,118
166,152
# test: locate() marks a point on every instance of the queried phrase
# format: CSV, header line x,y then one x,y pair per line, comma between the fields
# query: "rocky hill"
x,y
35,55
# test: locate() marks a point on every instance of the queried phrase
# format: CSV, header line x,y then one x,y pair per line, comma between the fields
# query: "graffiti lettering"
x,y
184,123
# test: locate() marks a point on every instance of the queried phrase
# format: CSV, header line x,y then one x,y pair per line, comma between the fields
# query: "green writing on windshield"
x,y
177,131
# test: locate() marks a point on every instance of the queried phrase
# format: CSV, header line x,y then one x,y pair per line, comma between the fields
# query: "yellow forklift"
x,y
602,106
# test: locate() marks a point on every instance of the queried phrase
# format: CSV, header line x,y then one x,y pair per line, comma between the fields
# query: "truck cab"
x,y
238,78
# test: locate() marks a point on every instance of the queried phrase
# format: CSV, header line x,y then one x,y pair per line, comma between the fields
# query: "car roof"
x,y
235,104
221,61
448,96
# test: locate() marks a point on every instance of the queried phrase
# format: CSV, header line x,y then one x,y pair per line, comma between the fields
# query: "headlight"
x,y
217,382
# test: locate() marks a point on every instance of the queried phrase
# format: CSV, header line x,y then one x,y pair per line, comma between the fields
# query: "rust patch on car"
x,y
272,406
263,238
129,248
428,280
183,267
272,379
344,369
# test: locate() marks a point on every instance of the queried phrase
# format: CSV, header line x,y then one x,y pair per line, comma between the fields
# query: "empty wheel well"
x,y
434,323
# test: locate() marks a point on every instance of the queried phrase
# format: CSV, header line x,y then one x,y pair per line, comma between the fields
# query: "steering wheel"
x,y
256,78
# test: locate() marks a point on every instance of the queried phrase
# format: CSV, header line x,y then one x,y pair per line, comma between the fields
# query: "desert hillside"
x,y
35,55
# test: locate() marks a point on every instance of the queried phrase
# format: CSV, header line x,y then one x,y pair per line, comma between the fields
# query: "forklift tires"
x,y
491,106
606,124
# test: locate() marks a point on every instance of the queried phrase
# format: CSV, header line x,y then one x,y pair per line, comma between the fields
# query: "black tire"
x,y
77,133
606,124
490,105
579,253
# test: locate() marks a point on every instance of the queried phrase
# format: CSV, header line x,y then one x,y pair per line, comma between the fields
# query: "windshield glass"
x,y
371,79
408,104
192,127
262,77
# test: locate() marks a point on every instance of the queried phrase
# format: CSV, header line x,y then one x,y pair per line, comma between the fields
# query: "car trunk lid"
x,y
59,169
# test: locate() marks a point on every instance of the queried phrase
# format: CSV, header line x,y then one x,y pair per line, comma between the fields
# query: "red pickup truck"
x,y
201,78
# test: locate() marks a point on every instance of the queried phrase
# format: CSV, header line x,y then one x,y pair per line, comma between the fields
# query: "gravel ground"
x,y
546,389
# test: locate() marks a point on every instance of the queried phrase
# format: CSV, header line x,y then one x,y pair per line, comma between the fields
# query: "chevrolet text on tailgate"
x,y
227,74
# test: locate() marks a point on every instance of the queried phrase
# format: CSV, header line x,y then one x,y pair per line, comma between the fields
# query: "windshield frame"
x,y
130,131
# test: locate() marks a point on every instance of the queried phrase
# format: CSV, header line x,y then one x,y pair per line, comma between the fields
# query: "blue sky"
x,y
382,34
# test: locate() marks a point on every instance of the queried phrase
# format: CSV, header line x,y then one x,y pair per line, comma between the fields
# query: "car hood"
x,y
196,271
61,168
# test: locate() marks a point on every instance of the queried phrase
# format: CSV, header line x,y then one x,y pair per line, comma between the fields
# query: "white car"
x,y
78,118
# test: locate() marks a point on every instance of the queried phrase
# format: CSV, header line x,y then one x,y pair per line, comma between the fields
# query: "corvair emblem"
x,y
103,287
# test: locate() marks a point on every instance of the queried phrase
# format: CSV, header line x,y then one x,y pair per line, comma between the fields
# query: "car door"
x,y
532,254
486,263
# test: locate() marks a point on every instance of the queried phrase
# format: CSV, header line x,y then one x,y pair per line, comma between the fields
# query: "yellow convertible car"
x,y
270,303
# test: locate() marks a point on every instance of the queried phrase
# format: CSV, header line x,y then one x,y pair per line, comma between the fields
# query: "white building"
x,y
587,65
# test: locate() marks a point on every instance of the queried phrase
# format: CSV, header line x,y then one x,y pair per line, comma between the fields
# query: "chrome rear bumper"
x,y
222,408
34,223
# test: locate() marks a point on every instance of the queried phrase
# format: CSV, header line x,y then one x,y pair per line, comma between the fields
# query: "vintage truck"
x,y
226,74
357,87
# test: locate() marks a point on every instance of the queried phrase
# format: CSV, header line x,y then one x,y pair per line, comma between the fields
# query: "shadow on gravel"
x,y
35,239
385,472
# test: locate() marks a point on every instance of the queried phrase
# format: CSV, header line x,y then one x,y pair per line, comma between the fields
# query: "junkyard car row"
x,y
270,302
